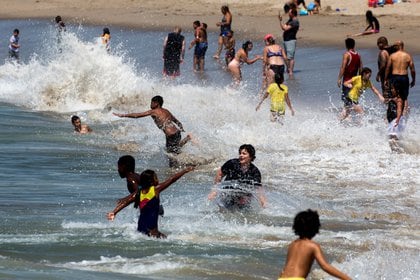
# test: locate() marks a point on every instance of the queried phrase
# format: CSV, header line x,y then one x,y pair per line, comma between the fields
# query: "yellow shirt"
x,y
358,87
278,97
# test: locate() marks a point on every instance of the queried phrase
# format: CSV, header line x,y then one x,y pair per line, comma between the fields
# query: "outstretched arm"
x,y
289,104
319,256
162,186
262,100
378,94
134,115
213,193
121,205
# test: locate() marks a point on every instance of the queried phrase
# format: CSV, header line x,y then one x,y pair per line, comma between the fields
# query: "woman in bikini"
x,y
241,57
273,57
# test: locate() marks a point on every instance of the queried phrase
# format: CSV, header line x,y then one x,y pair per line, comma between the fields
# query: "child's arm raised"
x,y
319,256
164,185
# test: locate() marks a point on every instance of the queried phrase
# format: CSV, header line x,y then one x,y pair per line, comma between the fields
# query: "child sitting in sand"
x,y
303,251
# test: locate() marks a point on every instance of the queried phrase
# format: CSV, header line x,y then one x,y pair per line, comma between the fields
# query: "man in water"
x,y
351,65
383,56
246,175
14,45
79,127
397,65
173,53
201,45
165,121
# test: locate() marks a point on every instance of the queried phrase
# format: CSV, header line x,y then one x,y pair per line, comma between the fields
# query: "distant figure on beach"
x,y
173,53
148,200
279,97
79,127
397,118
351,66
14,45
293,5
201,45
241,56
274,58
303,251
372,28
397,71
106,39
229,45
290,28
165,121
314,7
225,26
358,85
242,179
383,56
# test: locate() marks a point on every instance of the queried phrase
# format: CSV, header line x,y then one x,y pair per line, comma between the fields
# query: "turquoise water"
x,y
56,187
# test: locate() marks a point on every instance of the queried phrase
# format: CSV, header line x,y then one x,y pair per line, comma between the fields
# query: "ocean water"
x,y
56,187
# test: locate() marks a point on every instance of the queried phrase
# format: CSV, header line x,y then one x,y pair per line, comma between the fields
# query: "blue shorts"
x,y
200,50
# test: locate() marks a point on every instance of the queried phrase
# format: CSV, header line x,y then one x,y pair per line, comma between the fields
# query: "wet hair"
x,y
366,70
158,99
16,31
279,79
246,45
128,162
58,19
106,30
382,40
74,118
350,43
250,149
306,224
147,178
225,9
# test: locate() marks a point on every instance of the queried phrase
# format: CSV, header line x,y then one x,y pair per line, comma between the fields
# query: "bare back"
x,y
164,120
400,61
300,257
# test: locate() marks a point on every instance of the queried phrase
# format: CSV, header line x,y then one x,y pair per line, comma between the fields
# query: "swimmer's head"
x,y
382,42
156,101
126,164
225,9
270,39
247,46
57,19
106,30
196,24
399,45
148,178
306,224
250,149
16,32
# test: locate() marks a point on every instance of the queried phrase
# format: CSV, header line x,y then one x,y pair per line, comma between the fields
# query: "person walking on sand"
x,y
303,251
351,66
173,53
279,97
397,71
290,28
241,57
14,45
165,121
225,26
147,198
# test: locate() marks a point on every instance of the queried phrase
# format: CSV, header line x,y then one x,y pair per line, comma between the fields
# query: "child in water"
x,y
79,127
396,117
303,251
106,39
147,197
279,96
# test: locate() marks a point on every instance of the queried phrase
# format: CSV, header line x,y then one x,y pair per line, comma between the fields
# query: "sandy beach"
x,y
251,19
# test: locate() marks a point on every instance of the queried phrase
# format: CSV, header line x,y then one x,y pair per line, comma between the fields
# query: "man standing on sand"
x,y
173,53
165,121
351,66
290,29
383,56
397,65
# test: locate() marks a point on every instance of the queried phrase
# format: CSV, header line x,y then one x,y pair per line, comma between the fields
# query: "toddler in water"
x,y
279,96
303,251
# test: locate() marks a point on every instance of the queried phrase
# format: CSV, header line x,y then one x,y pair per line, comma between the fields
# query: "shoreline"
x,y
251,21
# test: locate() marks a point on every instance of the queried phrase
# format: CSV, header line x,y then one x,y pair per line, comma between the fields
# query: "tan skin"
x,y
382,61
229,44
222,40
162,118
159,187
81,128
245,161
274,60
300,257
241,56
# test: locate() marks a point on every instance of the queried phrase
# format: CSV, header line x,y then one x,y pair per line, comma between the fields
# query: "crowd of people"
x,y
238,180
